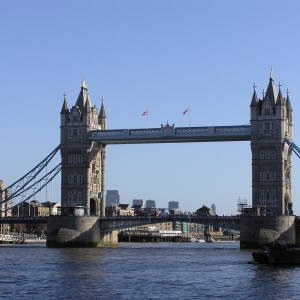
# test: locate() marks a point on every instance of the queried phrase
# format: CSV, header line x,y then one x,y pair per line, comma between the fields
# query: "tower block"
x,y
82,178
83,161
271,124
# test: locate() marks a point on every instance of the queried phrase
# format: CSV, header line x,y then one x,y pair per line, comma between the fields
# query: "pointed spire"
x,y
288,102
280,100
254,101
65,109
271,92
271,74
102,115
83,97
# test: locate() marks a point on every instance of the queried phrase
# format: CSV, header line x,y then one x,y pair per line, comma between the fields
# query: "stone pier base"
x,y
78,231
256,231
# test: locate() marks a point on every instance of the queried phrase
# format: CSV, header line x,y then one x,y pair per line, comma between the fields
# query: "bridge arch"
x,y
94,206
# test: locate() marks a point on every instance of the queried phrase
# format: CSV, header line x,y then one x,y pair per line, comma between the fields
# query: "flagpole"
x,y
147,117
189,119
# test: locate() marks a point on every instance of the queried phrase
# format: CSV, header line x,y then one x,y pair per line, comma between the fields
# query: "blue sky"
x,y
164,56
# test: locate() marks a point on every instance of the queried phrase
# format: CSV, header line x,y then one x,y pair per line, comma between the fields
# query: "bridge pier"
x,y
256,231
78,231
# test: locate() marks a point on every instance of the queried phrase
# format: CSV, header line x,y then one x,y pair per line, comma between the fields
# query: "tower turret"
x,y
271,157
102,115
82,160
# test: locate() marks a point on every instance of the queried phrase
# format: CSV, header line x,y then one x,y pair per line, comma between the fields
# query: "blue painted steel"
x,y
294,147
171,134
27,193
20,191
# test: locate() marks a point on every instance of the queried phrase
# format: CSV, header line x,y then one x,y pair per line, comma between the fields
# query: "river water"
x,y
142,271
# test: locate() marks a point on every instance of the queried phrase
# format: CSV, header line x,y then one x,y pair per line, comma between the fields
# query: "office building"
x,y
112,198
140,202
173,205
150,203
214,209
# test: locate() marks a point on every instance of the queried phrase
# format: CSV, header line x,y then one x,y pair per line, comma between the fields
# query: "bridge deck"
x,y
172,134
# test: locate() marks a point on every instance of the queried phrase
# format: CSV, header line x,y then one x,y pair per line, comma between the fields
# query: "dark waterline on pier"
x,y
142,271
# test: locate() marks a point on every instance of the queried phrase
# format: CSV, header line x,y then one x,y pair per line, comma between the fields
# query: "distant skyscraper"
x,y
112,198
150,203
214,209
138,202
173,205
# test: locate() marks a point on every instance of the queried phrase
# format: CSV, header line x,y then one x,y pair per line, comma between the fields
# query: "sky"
x,y
164,56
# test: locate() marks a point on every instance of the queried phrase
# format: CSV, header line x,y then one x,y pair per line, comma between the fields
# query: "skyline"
x,y
156,56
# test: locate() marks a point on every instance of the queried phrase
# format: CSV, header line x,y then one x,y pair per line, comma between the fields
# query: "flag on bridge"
x,y
145,113
186,111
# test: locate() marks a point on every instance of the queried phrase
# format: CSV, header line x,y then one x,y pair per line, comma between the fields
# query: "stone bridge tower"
x,y
271,123
83,161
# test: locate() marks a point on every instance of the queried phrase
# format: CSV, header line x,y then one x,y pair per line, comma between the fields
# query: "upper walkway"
x,y
172,134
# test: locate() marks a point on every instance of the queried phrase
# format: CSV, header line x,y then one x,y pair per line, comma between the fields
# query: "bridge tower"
x,y
271,123
83,161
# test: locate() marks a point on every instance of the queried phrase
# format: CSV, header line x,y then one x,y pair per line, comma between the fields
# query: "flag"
x,y
145,113
186,111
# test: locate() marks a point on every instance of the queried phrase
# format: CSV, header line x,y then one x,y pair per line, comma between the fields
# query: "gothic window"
x,y
267,155
273,126
273,177
70,196
273,155
267,176
267,111
79,196
80,158
261,126
262,155
262,202
70,159
75,159
267,126
262,192
71,179
74,132
273,192
75,118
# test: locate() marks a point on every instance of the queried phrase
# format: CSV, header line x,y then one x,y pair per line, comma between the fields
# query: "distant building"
x,y
125,210
4,228
112,198
150,203
204,211
173,205
33,208
52,207
214,209
140,202
6,205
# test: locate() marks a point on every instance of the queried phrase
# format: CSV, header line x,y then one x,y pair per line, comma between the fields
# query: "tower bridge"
x,y
83,146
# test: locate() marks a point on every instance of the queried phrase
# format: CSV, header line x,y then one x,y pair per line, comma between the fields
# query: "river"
x,y
142,271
